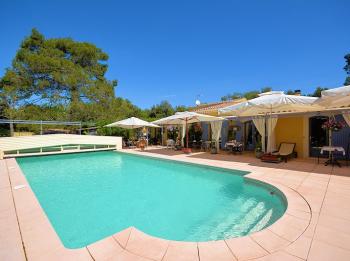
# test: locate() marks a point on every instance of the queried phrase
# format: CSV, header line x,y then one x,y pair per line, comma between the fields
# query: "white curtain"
x,y
183,133
271,139
346,117
216,131
260,126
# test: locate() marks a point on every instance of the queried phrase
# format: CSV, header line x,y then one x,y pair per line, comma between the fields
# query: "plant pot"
x,y
259,154
187,150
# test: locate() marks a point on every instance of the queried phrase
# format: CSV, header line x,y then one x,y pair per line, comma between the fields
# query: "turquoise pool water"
x,y
88,196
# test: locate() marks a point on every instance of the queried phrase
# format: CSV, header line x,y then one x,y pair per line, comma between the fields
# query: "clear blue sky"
x,y
175,50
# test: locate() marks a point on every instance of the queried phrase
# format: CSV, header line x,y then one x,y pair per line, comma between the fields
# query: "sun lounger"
x,y
285,151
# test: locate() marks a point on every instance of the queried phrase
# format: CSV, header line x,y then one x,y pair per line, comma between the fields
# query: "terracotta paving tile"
x,y
6,202
341,179
310,230
344,171
4,179
146,246
321,251
61,254
181,251
279,256
287,231
336,211
215,250
40,241
339,187
245,248
335,223
105,249
295,202
333,237
269,240
300,247
299,214
123,236
10,239
127,256
11,243
314,202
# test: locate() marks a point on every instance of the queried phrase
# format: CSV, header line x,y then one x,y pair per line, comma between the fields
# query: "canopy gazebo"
x,y
335,98
264,111
185,118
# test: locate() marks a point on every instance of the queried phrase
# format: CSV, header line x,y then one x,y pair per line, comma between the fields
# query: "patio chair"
x,y
285,151
177,145
170,144
130,144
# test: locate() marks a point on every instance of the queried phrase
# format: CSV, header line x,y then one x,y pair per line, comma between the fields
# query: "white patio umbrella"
x,y
185,118
270,103
337,97
132,123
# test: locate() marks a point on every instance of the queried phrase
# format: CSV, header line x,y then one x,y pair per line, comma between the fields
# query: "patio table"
x,y
235,146
331,150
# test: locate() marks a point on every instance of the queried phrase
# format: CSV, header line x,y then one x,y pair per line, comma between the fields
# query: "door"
x,y
318,135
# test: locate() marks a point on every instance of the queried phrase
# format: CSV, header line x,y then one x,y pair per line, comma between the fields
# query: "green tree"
x,y
251,95
266,89
161,110
56,71
231,96
347,69
181,108
318,91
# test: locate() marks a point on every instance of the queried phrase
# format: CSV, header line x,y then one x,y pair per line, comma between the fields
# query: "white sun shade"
x,y
271,102
132,123
337,97
187,116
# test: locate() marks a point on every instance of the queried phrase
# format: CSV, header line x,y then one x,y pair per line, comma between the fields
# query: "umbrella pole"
x,y
186,135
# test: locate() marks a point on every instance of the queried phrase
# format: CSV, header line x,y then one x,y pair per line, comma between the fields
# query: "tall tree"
x,y
56,71
347,69
163,109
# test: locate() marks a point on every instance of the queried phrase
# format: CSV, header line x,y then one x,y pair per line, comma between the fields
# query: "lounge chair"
x,y
285,151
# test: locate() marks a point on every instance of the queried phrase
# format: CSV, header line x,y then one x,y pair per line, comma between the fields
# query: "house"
x,y
303,129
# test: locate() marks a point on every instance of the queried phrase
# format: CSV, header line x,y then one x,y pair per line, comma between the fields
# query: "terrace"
x,y
314,227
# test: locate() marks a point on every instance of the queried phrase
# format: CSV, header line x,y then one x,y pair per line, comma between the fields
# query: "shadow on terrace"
x,y
297,164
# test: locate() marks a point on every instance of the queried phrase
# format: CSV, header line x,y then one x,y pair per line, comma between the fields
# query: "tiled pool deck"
x,y
316,225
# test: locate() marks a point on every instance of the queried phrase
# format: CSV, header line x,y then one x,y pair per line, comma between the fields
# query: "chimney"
x,y
297,92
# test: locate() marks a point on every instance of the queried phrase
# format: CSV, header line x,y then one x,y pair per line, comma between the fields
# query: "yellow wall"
x,y
291,130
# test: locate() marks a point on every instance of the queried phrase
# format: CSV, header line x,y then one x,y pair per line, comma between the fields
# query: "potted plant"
x,y
258,150
187,150
213,148
332,125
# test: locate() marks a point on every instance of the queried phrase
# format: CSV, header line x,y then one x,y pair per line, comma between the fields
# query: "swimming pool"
x,y
89,196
